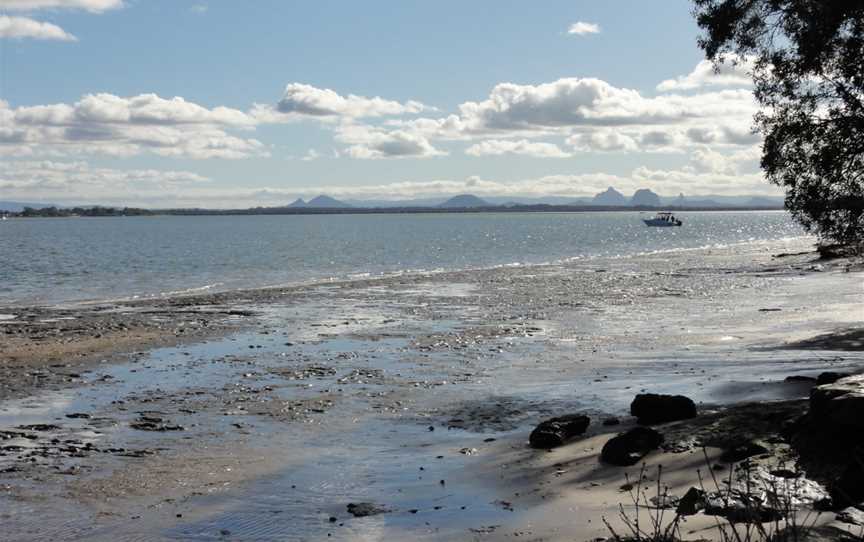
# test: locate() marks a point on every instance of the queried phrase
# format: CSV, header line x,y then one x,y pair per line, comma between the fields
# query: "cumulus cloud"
x,y
592,115
603,141
371,142
734,72
95,6
579,103
125,126
498,147
582,28
306,101
24,27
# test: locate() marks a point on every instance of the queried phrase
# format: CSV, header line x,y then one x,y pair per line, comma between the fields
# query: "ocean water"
x,y
48,261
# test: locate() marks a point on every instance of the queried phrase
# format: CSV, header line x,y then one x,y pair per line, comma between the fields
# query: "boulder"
x,y
628,448
838,405
556,431
692,502
651,408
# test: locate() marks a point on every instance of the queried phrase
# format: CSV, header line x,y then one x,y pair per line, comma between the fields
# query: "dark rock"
x,y
839,405
742,451
829,377
628,448
611,421
78,416
363,509
557,431
692,502
651,408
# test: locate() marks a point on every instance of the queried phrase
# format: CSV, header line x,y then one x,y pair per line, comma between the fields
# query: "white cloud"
x,y
118,126
24,27
573,103
603,141
707,160
306,101
498,147
582,28
732,73
78,179
96,6
199,8
370,142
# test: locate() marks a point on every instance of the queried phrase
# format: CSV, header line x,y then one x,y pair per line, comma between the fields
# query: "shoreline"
x,y
378,359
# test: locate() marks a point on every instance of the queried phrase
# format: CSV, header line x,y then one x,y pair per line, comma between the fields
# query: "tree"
x,y
807,59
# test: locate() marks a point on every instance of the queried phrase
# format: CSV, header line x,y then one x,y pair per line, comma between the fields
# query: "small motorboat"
x,y
663,219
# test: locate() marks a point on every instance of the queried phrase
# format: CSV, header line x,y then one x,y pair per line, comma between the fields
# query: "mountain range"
x,y
608,198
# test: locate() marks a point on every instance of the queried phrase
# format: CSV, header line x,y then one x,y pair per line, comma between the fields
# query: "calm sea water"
x,y
57,260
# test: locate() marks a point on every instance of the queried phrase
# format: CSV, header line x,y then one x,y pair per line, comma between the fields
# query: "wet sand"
x,y
260,415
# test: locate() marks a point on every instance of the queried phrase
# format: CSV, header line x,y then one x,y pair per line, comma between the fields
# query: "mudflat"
x,y
264,414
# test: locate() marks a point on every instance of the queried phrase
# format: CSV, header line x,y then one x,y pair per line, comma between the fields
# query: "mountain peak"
x,y
610,197
326,202
645,197
464,201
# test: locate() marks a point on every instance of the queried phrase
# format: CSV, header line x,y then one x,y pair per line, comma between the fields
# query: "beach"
x,y
263,413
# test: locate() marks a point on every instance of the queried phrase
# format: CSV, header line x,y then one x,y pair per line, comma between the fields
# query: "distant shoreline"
x,y
99,212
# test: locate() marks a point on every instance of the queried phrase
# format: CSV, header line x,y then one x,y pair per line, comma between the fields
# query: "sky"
x,y
229,103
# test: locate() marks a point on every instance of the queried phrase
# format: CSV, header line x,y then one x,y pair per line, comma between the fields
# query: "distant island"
x,y
608,200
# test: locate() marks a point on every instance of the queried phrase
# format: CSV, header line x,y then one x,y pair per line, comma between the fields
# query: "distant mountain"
x,y
18,206
609,197
646,198
298,203
464,201
325,202
703,203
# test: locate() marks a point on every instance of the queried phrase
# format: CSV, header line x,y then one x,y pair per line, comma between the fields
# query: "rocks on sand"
x,y
652,408
628,448
556,431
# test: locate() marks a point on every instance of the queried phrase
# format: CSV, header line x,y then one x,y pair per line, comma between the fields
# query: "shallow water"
x,y
69,259
394,372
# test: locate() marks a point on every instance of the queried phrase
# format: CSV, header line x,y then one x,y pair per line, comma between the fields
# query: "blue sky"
x,y
223,103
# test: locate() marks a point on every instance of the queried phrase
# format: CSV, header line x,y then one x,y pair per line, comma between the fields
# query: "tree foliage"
x,y
807,59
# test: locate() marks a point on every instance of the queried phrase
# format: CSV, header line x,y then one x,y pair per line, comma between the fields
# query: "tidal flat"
x,y
263,414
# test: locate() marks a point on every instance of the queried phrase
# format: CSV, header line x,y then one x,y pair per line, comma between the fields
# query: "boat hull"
x,y
660,223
